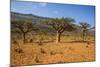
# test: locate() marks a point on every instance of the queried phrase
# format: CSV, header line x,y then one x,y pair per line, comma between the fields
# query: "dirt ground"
x,y
48,53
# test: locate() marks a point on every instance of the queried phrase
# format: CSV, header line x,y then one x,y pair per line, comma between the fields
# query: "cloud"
x,y
43,4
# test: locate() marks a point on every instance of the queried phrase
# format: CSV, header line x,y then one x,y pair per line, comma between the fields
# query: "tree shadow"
x,y
80,41
48,41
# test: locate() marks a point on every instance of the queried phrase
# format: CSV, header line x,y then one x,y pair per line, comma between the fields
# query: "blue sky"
x,y
81,13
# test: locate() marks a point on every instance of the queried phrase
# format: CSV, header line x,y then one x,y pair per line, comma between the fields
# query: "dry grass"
x,y
50,52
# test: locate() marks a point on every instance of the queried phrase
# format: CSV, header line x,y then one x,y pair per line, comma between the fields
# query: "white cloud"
x,y
43,4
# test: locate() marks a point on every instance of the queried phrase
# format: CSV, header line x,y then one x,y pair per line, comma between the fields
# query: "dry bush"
x,y
40,41
15,42
70,48
19,50
43,51
37,59
31,41
52,53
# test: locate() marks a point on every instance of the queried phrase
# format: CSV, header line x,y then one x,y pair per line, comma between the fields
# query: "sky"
x,y
81,13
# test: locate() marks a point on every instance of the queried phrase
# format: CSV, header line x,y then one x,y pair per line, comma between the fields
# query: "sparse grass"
x,y
50,52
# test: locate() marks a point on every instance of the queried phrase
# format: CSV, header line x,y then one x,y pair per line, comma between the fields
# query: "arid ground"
x,y
48,52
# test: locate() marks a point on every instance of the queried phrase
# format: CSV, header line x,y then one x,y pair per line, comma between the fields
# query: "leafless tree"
x,y
84,27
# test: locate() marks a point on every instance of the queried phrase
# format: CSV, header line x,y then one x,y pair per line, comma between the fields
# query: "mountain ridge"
x,y
32,17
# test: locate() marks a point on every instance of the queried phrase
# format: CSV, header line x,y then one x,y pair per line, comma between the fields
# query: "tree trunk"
x,y
24,38
58,36
83,35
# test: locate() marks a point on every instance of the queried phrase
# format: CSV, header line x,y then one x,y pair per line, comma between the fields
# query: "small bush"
x,y
40,41
87,46
15,42
37,60
52,53
19,50
43,51
70,48
31,40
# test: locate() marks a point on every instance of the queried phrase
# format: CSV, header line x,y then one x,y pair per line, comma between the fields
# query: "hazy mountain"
x,y
31,17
